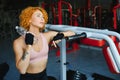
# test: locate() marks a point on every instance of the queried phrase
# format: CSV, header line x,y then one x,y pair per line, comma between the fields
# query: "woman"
x,y
31,50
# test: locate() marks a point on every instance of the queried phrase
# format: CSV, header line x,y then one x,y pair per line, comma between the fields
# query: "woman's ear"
x,y
29,21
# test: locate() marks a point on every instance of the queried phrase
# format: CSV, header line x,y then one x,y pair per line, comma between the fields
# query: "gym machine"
x,y
111,53
59,11
115,17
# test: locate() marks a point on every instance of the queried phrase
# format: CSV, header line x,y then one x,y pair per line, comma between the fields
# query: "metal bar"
x,y
63,60
75,28
112,47
113,61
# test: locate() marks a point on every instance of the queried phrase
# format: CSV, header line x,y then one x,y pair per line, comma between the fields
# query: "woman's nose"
x,y
42,19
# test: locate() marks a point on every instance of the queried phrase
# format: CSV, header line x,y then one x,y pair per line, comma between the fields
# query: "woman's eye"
x,y
40,16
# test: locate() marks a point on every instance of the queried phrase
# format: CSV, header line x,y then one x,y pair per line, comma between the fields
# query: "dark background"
x,y
9,13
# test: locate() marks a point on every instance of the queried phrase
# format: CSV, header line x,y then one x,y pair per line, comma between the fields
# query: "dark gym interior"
x,y
89,58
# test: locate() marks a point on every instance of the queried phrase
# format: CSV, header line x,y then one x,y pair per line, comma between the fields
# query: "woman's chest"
x,y
37,47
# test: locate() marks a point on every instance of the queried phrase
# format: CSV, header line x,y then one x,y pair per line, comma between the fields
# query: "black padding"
x,y
4,67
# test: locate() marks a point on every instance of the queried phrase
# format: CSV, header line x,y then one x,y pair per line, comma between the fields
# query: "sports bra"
x,y
42,54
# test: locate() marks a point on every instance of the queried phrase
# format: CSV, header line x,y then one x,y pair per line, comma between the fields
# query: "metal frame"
x,y
91,33
63,60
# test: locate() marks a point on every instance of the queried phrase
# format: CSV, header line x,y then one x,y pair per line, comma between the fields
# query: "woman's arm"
x,y
54,36
68,33
65,33
22,57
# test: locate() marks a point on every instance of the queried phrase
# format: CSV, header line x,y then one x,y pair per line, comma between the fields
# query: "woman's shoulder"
x,y
18,41
48,33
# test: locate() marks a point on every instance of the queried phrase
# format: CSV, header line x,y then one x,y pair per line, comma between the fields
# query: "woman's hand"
x,y
29,38
54,43
57,39
59,36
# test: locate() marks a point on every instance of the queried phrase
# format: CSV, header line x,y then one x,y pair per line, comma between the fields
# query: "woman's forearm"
x,y
68,33
24,62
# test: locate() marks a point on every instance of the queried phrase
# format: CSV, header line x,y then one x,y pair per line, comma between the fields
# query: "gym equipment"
x,y
91,15
97,76
115,20
21,31
51,78
75,75
58,14
99,42
113,53
4,68
60,3
97,16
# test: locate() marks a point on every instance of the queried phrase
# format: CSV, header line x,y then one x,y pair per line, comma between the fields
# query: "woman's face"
x,y
37,19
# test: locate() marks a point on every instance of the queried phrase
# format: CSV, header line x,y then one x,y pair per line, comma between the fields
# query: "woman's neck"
x,y
35,31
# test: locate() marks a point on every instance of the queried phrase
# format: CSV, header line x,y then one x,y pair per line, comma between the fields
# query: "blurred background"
x,y
97,14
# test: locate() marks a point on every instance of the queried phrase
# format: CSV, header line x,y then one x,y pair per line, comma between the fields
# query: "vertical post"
x,y
88,4
60,12
114,18
63,60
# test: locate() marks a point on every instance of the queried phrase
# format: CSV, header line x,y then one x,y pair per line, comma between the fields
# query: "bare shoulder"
x,y
49,35
50,32
18,41
18,44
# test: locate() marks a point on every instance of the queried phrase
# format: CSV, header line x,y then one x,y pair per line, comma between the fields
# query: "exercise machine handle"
x,y
82,35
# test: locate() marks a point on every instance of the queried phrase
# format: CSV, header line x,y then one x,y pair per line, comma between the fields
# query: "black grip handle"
x,y
82,35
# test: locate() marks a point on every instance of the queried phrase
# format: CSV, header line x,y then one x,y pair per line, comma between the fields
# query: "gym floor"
x,y
87,60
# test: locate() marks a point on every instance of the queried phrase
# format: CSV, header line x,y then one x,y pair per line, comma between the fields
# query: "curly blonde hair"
x,y
26,14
